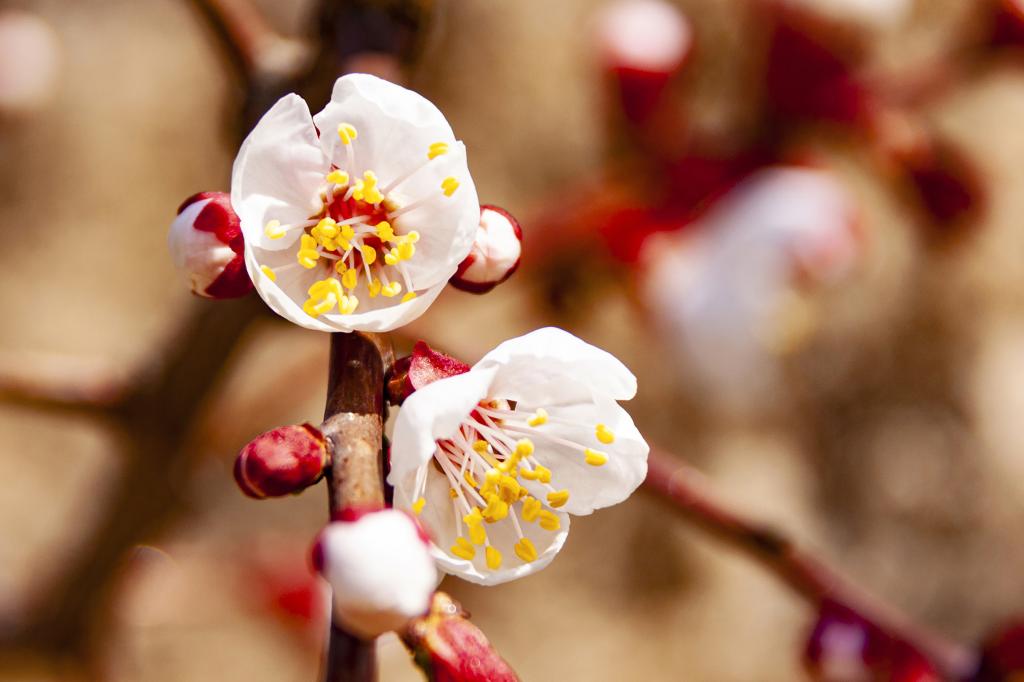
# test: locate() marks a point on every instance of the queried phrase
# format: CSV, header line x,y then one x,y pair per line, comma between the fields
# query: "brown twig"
x,y
687,490
354,429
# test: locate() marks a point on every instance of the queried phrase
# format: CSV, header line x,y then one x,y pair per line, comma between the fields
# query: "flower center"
x,y
493,449
354,239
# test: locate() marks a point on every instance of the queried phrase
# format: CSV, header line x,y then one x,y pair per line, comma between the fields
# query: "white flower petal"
x,y
557,367
380,571
278,173
590,487
431,413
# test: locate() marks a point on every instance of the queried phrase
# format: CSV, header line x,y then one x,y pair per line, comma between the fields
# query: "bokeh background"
x,y
890,442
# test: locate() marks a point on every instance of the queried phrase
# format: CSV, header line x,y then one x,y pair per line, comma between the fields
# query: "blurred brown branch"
x,y
687,490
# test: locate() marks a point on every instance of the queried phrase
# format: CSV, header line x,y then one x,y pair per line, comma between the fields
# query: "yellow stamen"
x,y
337,177
369,254
548,520
463,549
496,509
604,434
437,149
391,257
525,550
413,236
558,498
374,287
391,289
453,493
350,279
481,446
347,133
539,417
417,506
469,479
531,508
449,185
493,558
385,232
409,296
595,458
273,230
406,249
270,274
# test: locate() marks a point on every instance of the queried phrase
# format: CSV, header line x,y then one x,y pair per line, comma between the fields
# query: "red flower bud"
x,y
846,646
643,44
1007,22
415,371
206,244
285,460
1002,656
495,253
451,649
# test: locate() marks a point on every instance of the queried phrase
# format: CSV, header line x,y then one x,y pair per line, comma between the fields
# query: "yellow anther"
x,y
539,417
337,177
327,227
314,308
595,458
604,434
347,133
477,534
370,192
273,230
369,254
558,498
408,296
548,520
413,236
348,305
374,287
391,289
496,509
307,259
417,506
542,473
385,231
493,558
473,518
531,507
481,446
340,267
391,257
525,550
346,231
449,185
524,447
437,149
528,474
268,273
491,478
350,279
508,489
469,479
406,249
453,493
463,549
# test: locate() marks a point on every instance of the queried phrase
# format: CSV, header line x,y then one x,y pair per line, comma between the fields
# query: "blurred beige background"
x,y
908,471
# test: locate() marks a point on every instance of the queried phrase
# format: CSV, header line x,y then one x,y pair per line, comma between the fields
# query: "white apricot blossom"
x,y
354,219
495,459
737,292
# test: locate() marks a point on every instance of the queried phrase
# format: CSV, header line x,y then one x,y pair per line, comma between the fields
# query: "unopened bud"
x,y
380,571
495,253
643,44
846,646
423,367
448,648
286,460
206,244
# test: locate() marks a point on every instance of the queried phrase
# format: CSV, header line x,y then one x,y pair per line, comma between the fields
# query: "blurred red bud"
x,y
206,244
643,44
448,648
1007,22
285,460
1002,655
495,253
423,367
844,646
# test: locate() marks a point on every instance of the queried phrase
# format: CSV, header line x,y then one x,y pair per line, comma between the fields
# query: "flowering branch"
x,y
354,430
686,489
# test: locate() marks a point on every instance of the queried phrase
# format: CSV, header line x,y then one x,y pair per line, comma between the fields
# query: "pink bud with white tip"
x,y
206,244
495,253
379,568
